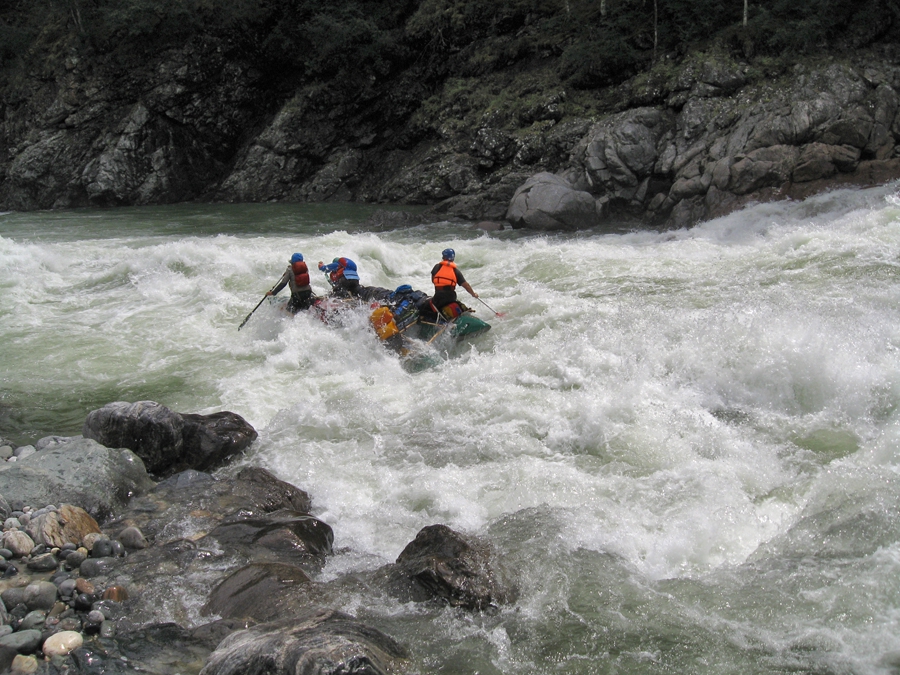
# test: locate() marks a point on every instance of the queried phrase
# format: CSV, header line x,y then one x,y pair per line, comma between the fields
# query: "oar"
x,y
247,318
439,333
497,314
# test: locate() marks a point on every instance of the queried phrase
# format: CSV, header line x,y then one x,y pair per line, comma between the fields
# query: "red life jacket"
x,y
301,274
446,276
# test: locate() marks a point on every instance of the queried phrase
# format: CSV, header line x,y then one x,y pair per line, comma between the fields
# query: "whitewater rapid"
x,y
684,443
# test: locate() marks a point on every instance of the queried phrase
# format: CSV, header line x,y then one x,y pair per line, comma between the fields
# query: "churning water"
x,y
686,445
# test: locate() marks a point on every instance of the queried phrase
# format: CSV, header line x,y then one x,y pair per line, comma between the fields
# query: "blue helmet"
x,y
448,254
297,257
403,288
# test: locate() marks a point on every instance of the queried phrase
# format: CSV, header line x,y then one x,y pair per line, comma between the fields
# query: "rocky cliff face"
x,y
684,143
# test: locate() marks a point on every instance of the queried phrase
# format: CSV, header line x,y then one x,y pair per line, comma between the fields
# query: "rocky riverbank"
x,y
682,142
91,587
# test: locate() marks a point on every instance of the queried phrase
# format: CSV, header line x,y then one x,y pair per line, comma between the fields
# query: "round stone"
x,y
26,665
60,644
132,538
84,586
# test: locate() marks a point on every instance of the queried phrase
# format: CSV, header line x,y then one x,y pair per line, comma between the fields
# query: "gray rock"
x,y
40,595
34,619
18,542
96,567
51,442
548,202
99,479
46,562
23,641
132,538
24,451
283,530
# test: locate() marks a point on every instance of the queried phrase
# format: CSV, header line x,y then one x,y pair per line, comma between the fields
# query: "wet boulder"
x,y
100,479
549,202
150,430
167,441
322,641
211,440
446,565
285,530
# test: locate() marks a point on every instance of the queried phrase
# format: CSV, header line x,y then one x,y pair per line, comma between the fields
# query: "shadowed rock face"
x,y
695,141
316,640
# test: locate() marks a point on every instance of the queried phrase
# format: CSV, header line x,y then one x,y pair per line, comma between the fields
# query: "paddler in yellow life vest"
x,y
446,277
297,277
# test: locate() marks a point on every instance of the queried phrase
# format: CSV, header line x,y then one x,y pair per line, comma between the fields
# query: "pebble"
x,y
40,595
84,586
90,540
24,451
18,542
54,616
132,538
60,644
34,619
43,563
102,548
26,665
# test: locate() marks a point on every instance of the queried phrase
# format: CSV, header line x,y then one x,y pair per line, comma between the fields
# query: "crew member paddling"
x,y
343,276
446,277
297,277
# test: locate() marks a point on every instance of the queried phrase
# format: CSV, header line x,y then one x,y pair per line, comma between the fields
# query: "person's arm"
x,y
281,284
330,267
461,281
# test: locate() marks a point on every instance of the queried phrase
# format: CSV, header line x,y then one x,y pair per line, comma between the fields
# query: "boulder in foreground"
x,y
169,442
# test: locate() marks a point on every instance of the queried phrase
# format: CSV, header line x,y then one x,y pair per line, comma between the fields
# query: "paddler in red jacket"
x,y
297,277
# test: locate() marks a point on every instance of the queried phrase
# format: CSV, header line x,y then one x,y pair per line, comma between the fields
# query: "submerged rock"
x,y
322,641
261,591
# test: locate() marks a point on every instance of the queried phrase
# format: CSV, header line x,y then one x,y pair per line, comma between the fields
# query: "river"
x,y
684,444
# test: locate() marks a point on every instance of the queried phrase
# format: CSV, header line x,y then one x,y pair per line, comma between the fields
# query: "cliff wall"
x,y
682,142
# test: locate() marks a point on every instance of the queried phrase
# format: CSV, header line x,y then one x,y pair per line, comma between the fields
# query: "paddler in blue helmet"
x,y
342,276
297,277
446,277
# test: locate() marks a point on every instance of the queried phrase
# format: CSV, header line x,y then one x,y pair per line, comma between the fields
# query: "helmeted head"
x,y
336,260
401,289
448,254
297,257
